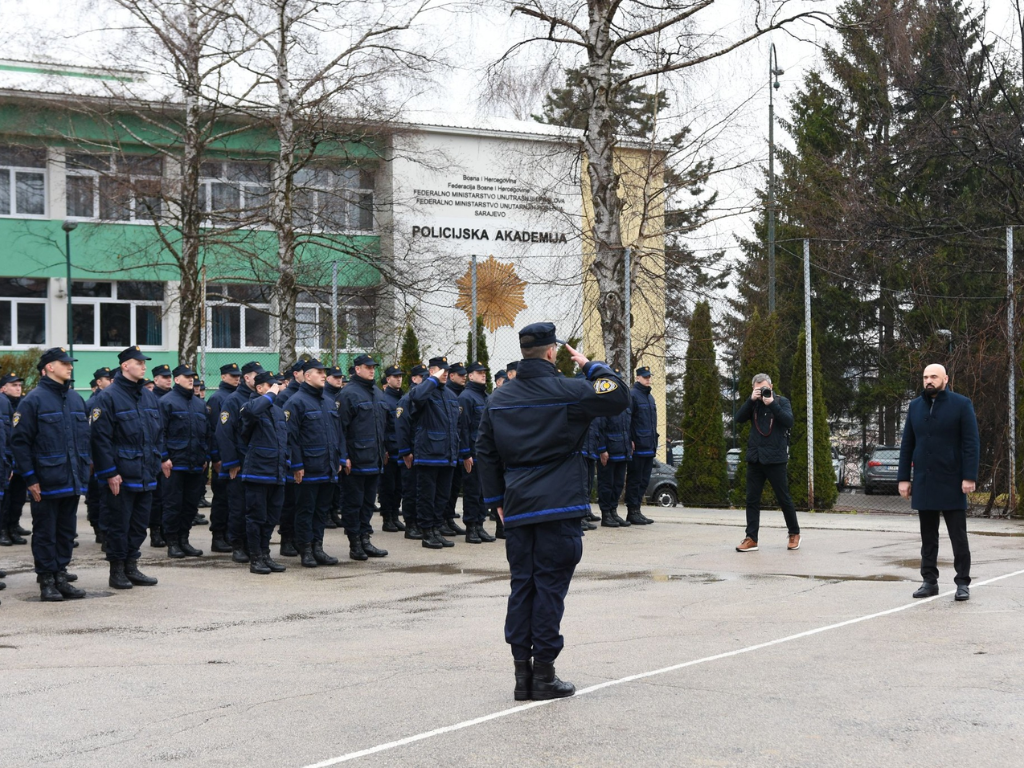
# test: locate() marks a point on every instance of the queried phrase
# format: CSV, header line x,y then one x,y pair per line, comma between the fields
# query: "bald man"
x,y
941,446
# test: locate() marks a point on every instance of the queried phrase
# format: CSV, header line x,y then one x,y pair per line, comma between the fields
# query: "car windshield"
x,y
886,454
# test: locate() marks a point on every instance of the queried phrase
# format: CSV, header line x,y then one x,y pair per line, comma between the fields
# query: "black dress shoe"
x,y
69,592
137,577
962,593
412,532
48,591
546,685
187,548
927,589
219,543
117,578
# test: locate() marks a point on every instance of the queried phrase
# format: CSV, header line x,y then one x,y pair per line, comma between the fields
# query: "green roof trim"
x,y
43,69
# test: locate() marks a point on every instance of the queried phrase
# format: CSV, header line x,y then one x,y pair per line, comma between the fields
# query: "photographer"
x,y
767,456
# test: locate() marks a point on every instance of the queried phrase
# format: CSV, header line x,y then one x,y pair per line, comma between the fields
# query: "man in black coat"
x,y
230,376
391,477
941,445
14,498
767,456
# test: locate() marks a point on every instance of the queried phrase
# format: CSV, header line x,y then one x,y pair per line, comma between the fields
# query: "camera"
x,y
766,393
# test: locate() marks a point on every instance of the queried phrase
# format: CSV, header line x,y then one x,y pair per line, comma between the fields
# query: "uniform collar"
x,y
134,387
330,389
367,383
310,389
186,393
229,387
481,388
52,385
642,387
535,369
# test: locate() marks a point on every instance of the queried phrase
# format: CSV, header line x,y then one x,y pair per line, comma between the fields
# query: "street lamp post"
x,y
67,226
773,73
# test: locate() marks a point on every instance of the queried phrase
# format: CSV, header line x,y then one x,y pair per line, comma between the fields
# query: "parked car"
x,y
732,461
675,454
839,467
662,490
880,469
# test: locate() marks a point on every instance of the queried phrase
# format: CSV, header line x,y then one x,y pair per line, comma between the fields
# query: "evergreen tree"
x,y
759,354
825,492
482,355
563,360
410,355
701,478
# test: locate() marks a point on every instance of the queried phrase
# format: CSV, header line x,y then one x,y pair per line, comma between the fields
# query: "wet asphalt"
x,y
218,667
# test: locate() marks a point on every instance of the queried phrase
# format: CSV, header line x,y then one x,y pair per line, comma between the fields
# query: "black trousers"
x,y
473,509
776,475
288,511
391,488
409,494
156,514
956,527
637,479
218,505
92,502
611,478
313,504
359,492
182,492
542,559
126,517
453,497
54,522
236,511
263,503
433,484
14,501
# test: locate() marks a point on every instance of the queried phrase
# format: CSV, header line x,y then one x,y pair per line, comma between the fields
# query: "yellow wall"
x,y
642,192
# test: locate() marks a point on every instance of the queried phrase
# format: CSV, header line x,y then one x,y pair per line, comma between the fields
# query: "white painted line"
x,y
631,678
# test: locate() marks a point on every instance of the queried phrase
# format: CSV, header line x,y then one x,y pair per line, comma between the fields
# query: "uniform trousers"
x,y
182,492
591,464
312,505
236,511
219,504
126,517
408,476
14,501
263,502
956,527
433,484
453,497
156,514
473,509
54,522
637,479
359,492
391,488
288,510
542,558
777,476
611,478
92,502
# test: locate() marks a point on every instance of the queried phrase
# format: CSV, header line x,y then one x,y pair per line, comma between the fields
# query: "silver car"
x,y
880,470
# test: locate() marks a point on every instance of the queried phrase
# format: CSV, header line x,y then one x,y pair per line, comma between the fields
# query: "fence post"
x,y
334,313
629,324
1011,501
808,374
472,353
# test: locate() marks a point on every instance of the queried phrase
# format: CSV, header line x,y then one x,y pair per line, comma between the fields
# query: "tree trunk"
x,y
285,292
191,301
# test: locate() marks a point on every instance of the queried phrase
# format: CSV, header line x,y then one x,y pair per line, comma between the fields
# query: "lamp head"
x,y
67,226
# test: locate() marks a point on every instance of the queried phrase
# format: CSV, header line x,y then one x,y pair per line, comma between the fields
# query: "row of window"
x,y
124,313
112,187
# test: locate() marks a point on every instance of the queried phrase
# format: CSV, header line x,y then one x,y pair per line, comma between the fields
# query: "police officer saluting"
x,y
128,450
264,469
363,415
186,435
230,375
50,440
473,400
528,455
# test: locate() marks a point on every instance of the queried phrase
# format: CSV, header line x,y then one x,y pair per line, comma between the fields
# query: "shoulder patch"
x,y
95,414
16,418
287,415
604,386
224,416
398,412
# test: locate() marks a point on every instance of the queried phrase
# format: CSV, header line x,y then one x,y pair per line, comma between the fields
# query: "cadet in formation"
x,y
230,375
643,434
404,439
232,454
391,477
13,503
472,402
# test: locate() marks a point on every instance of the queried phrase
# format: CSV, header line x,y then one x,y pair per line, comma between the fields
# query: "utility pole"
x,y
773,72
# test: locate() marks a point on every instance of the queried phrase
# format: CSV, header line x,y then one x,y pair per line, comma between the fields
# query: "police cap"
x,y
512,366
132,353
418,370
184,370
162,370
474,367
231,369
457,368
298,365
438,362
309,365
252,366
102,373
333,371
364,360
393,370
53,355
266,377
500,375
643,371
538,335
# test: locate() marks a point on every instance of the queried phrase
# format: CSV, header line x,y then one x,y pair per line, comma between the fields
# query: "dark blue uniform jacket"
x,y
229,429
364,417
6,456
265,432
314,435
50,440
213,408
404,428
435,418
127,434
287,392
531,435
644,425
941,440
473,400
186,430
613,435
392,397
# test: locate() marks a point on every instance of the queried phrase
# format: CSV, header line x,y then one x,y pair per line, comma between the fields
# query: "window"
x,y
235,190
334,199
117,314
238,317
316,333
22,311
22,182
114,187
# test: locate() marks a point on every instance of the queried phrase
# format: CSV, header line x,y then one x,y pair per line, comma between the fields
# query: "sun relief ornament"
x,y
499,293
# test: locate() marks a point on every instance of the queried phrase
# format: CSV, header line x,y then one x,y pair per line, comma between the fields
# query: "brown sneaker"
x,y
747,545
794,541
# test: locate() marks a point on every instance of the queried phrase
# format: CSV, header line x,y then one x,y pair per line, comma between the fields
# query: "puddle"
x,y
914,563
450,569
703,578
873,577
88,596
997,533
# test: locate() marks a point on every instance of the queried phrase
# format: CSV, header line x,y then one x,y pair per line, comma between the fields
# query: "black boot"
x,y
546,685
330,522
645,518
117,578
60,580
524,677
586,525
483,534
5,538
256,565
68,576
174,550
371,550
633,517
322,558
397,522
622,523
187,548
445,530
220,542
499,529
16,528
457,530
306,556
607,521
16,538
137,577
156,538
431,540
439,537
238,553
472,536
272,564
48,591
412,532
199,520
355,549
203,504
336,517
592,518
288,547
388,524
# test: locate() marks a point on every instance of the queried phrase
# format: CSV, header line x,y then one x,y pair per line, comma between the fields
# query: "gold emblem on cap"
x,y
136,346
62,349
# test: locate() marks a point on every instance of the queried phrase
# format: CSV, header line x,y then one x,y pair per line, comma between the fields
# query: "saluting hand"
x,y
577,357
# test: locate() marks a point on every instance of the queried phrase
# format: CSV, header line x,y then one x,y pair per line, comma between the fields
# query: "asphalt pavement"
x,y
685,652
